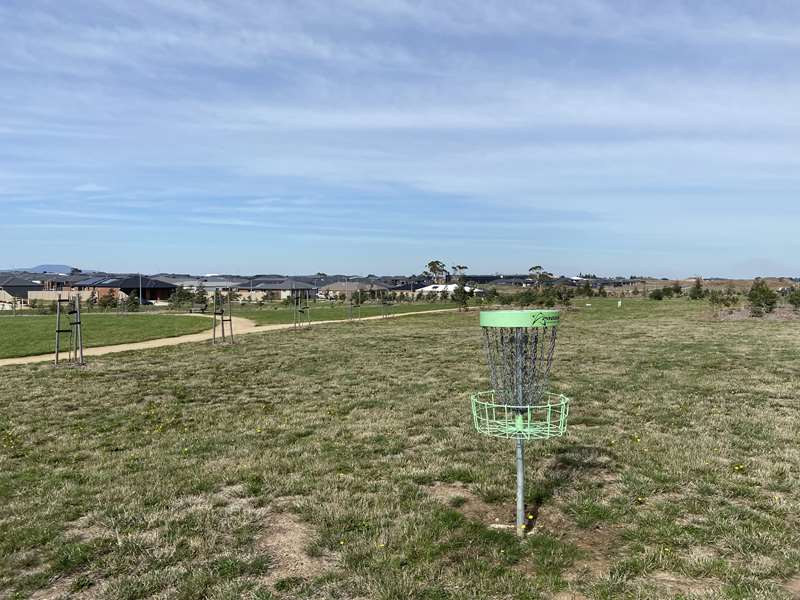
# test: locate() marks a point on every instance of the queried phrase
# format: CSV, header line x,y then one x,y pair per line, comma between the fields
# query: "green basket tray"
x,y
538,422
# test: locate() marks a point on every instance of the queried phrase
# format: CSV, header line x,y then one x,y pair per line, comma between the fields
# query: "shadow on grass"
x,y
569,466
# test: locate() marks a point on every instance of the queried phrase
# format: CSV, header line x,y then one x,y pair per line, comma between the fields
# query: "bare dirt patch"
x,y
594,543
286,539
793,587
59,588
569,595
87,528
457,496
680,584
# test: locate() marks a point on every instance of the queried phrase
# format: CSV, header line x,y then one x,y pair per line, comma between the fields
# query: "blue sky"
x,y
374,135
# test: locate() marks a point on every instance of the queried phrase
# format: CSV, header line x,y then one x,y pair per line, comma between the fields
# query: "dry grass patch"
x,y
341,463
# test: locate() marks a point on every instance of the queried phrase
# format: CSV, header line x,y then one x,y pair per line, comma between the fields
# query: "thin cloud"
x,y
90,187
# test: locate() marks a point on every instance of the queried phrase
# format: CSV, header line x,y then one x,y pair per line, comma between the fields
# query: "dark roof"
x,y
352,286
510,281
14,281
125,282
407,287
280,284
18,287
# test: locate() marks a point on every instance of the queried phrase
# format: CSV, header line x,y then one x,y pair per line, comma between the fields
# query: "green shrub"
x,y
657,294
794,298
696,292
762,299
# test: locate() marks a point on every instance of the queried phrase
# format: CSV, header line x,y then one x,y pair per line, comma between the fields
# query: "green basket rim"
x,y
562,400
529,422
519,318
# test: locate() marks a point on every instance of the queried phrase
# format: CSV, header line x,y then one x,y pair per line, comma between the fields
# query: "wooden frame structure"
x,y
219,312
75,351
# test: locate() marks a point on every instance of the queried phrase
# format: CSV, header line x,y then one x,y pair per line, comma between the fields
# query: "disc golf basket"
x,y
75,350
224,319
519,348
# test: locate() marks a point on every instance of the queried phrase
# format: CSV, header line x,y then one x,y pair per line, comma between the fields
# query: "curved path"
x,y
241,326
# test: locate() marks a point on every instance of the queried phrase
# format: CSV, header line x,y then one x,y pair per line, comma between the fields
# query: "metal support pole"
x,y
520,400
520,488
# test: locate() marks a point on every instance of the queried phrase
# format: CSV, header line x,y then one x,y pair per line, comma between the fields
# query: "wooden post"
x,y
58,327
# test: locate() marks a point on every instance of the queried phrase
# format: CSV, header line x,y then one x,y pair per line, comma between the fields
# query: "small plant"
x,y
794,298
657,294
460,295
762,298
201,296
132,303
697,292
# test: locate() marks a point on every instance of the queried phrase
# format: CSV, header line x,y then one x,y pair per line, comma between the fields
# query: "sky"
x,y
371,136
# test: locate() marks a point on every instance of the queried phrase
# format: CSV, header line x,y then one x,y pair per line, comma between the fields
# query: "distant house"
x,y
497,279
401,283
512,281
278,288
14,289
347,288
209,284
449,288
122,286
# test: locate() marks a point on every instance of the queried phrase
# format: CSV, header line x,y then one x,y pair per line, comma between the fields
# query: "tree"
x,y
458,270
586,290
762,299
716,299
527,297
132,303
535,273
437,269
460,294
657,294
794,298
201,296
91,301
676,288
696,292
106,301
180,297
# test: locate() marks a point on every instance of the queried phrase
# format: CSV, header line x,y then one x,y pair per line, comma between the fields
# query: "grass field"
x,y
34,334
323,311
339,462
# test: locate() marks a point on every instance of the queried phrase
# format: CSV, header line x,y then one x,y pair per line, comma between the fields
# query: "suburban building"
x,y
347,288
278,288
210,284
122,286
447,288
14,290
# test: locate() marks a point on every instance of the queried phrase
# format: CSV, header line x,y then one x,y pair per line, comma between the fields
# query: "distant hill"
x,y
66,269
